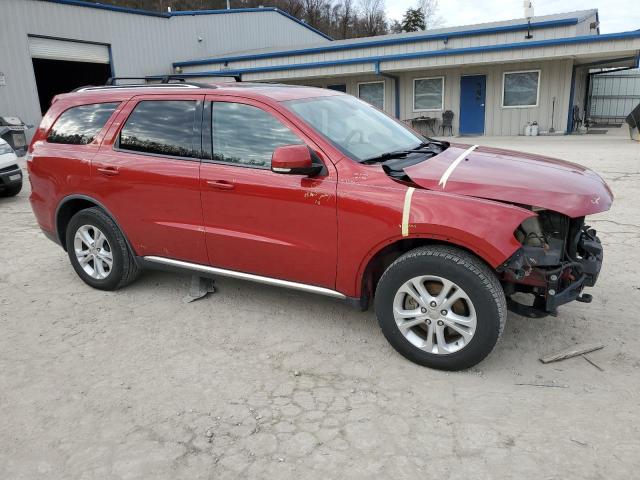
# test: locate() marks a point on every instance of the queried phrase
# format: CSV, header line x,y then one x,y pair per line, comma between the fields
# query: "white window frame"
x,y
504,77
428,109
384,93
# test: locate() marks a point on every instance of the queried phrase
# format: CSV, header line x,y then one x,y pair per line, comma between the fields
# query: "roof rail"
x,y
165,79
182,77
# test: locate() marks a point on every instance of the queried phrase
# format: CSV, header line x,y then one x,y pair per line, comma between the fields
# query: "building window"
x,y
161,127
428,94
338,87
521,89
247,136
372,93
80,125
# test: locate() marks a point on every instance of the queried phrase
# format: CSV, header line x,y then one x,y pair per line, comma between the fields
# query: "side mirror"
x,y
294,160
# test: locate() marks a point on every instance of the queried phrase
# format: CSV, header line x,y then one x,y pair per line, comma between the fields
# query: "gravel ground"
x,y
259,382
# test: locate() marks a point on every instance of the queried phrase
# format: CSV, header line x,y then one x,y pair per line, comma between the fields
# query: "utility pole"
x,y
528,13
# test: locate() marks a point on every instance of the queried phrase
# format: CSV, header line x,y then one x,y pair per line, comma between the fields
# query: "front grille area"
x,y
10,168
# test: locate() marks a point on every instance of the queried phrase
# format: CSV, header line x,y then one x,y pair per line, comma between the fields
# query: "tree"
x,y
374,20
413,20
337,18
429,9
395,26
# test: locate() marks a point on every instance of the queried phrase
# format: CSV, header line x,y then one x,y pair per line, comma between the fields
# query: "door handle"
x,y
108,171
221,184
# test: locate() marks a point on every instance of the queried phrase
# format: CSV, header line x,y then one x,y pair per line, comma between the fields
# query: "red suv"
x,y
315,190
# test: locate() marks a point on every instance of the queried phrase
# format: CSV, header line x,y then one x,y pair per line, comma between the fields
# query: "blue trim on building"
x,y
379,43
432,53
112,8
184,13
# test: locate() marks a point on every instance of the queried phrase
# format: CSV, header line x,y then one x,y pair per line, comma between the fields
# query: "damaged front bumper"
x,y
554,275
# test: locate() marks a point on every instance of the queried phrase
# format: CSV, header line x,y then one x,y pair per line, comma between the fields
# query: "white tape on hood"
x,y
445,176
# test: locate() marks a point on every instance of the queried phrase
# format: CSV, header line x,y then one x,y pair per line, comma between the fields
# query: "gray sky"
x,y
615,15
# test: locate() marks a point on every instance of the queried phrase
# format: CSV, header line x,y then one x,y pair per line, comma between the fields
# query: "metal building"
x,y
53,46
494,77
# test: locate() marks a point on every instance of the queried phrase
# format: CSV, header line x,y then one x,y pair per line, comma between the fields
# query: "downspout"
x,y
396,86
571,95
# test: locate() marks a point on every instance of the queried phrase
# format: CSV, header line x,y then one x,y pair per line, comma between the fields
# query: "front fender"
x,y
483,226
369,225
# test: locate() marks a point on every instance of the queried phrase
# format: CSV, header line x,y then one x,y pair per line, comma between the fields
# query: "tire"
x,y
481,307
123,269
11,191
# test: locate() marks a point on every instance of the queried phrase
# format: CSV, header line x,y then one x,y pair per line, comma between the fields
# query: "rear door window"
x,y
162,127
80,125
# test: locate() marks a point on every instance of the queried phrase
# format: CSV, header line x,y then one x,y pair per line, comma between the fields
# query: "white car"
x,y
10,173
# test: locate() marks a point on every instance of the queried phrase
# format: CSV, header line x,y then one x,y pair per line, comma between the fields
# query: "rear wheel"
x,y
98,250
11,191
441,307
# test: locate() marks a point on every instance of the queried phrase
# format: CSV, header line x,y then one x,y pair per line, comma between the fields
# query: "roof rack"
x,y
167,79
179,81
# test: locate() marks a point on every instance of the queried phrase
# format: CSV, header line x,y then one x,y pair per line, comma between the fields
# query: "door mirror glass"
x,y
294,159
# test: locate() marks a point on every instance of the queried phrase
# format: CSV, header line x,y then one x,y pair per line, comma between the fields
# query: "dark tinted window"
x,y
162,127
80,125
247,135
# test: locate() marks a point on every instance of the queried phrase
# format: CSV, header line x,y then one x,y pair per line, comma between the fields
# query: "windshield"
x,y
355,127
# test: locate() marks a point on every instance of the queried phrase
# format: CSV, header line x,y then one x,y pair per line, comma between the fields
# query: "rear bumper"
x,y
10,176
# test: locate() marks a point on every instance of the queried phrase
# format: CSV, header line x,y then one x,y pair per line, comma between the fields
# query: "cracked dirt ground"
x,y
259,382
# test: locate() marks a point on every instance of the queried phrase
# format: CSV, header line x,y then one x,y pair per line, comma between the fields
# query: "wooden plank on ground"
x,y
572,352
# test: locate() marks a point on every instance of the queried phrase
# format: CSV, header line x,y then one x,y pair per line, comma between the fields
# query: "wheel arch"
x,y
385,254
71,205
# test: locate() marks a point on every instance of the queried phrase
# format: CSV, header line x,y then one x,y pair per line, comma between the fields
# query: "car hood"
x,y
515,177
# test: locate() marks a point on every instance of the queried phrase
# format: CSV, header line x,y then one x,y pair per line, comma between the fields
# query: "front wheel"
x,y
441,307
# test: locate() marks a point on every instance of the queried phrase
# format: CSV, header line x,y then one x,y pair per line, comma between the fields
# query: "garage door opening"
x,y
58,76
61,65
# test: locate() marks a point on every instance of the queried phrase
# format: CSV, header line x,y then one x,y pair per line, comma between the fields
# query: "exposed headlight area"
x,y
558,258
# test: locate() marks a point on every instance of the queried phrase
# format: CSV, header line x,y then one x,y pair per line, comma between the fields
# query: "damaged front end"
x,y
558,258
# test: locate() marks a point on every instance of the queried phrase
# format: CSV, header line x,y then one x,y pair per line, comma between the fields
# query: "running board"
x,y
180,265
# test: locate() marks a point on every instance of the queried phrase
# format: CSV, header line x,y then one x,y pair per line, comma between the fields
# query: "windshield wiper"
x,y
395,154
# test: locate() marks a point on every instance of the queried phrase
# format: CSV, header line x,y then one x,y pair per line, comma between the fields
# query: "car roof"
x,y
259,91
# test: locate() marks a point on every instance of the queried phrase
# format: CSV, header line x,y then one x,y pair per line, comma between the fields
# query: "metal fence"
x,y
613,95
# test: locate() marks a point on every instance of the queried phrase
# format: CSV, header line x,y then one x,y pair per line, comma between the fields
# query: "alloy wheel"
x,y
434,314
93,252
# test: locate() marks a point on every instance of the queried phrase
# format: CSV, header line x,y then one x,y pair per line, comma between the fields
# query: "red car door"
x,y
257,221
147,175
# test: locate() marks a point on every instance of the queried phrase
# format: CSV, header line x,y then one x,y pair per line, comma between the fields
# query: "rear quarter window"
x,y
80,125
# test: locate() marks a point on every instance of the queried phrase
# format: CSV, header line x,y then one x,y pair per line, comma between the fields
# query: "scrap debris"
x,y
548,385
593,363
572,352
200,288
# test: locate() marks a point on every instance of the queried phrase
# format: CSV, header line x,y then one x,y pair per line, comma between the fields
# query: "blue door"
x,y
472,94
